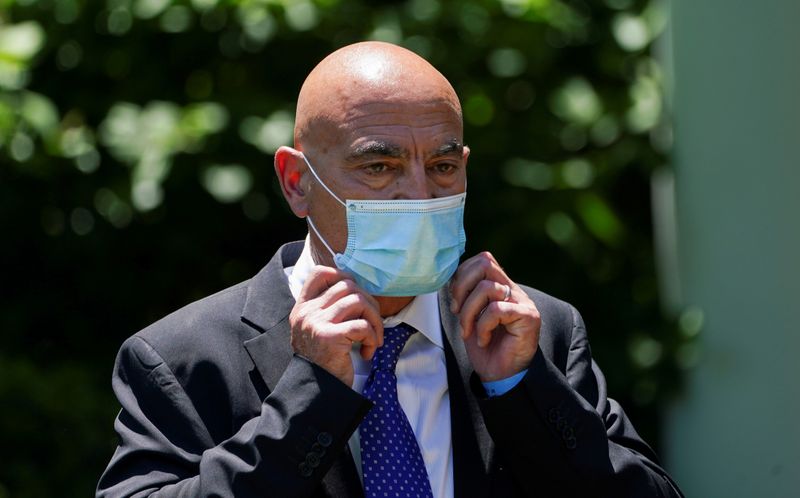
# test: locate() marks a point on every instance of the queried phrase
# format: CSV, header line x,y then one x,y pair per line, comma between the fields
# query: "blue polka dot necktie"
x,y
391,460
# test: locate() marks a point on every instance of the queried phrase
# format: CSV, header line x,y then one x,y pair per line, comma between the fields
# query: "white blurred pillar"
x,y
736,102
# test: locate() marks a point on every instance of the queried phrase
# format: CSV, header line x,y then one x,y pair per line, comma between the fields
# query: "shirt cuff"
x,y
502,386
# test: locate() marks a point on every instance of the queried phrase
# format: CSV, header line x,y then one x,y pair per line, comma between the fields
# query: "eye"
x,y
376,168
444,168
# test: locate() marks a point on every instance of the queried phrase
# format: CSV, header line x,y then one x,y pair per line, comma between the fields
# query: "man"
x,y
290,384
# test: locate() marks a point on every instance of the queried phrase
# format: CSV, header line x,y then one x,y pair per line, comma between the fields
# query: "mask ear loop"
x,y
311,224
311,168
308,218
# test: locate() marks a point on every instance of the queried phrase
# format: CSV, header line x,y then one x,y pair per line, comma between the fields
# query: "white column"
x,y
736,102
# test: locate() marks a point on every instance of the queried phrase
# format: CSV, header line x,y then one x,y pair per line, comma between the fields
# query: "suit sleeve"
x,y
561,436
165,450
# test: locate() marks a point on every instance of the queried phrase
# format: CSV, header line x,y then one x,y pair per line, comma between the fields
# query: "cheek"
x,y
449,185
330,219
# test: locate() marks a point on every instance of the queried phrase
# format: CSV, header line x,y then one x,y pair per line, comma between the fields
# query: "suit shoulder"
x,y
206,323
551,308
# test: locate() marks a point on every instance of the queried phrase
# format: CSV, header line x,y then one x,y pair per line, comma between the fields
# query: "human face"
x,y
384,150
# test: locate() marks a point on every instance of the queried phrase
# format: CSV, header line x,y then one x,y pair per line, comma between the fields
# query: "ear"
x,y
291,168
465,154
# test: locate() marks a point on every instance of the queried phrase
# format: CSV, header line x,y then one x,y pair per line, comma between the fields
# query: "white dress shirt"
x,y
421,380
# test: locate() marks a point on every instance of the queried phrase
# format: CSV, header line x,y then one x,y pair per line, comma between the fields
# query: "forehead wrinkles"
x,y
388,108
388,118
352,118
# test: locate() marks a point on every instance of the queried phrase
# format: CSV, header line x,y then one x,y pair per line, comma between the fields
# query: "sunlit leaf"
x,y
20,42
227,182
577,101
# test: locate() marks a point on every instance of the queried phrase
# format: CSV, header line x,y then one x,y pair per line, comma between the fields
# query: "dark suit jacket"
x,y
214,403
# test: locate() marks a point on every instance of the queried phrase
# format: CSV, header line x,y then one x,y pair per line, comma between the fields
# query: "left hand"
x,y
499,322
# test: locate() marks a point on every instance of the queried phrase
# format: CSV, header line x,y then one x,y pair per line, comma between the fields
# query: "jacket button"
x,y
571,443
312,460
305,469
325,439
318,450
553,415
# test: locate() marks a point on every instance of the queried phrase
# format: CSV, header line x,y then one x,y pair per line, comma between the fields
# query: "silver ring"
x,y
507,296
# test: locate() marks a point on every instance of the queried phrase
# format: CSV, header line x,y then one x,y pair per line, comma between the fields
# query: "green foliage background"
x,y
136,176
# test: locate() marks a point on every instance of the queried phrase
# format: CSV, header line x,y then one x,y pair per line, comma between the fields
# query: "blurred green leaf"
x,y
20,42
577,101
600,219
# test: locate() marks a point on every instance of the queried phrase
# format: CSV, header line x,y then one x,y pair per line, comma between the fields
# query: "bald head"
x,y
347,82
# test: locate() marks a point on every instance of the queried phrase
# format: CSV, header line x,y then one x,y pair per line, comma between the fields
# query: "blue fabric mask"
x,y
400,247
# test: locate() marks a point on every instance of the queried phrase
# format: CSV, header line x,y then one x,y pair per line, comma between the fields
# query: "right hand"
x,y
332,313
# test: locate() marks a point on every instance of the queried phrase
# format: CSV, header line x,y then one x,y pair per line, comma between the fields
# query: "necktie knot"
x,y
394,339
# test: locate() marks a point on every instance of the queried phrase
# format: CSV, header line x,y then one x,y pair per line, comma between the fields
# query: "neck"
x,y
392,305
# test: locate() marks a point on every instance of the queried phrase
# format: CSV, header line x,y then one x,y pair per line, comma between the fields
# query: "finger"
x,y
355,306
470,273
359,330
485,292
497,313
320,279
341,289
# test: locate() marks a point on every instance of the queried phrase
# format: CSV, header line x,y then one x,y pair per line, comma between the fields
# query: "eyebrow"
x,y
388,149
377,148
451,147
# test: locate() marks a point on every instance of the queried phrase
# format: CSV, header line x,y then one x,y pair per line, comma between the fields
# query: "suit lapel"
x,y
269,302
472,446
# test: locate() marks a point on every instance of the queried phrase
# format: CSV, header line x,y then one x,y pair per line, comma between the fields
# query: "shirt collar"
x,y
298,273
422,312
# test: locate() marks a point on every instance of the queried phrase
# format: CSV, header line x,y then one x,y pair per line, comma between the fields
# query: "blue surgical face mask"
x,y
400,247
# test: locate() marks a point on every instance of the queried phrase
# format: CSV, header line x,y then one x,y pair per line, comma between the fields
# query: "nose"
x,y
415,183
